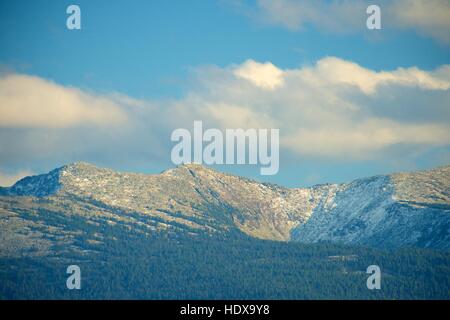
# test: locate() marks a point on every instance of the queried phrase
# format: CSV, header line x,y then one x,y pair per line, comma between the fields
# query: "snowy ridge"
x,y
404,209
385,211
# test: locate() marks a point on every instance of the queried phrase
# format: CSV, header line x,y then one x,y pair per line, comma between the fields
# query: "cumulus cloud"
x,y
340,72
42,122
427,17
332,109
264,75
29,101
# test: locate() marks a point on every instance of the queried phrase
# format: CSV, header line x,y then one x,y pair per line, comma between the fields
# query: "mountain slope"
x,y
41,212
409,209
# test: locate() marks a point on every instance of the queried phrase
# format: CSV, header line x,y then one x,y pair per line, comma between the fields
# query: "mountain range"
x,y
48,211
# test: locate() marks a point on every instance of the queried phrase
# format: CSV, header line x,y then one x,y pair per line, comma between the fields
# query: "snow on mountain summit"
x,y
390,210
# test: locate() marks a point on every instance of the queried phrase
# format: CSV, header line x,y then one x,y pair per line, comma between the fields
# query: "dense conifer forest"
x,y
233,267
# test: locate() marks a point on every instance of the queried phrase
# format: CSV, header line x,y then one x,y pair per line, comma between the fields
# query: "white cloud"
x,y
364,140
427,17
233,116
340,72
29,101
264,75
333,109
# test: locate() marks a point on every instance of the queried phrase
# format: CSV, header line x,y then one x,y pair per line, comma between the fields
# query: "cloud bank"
x,y
333,110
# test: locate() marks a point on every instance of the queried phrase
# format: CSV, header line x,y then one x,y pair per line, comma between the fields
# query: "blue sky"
x,y
156,51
